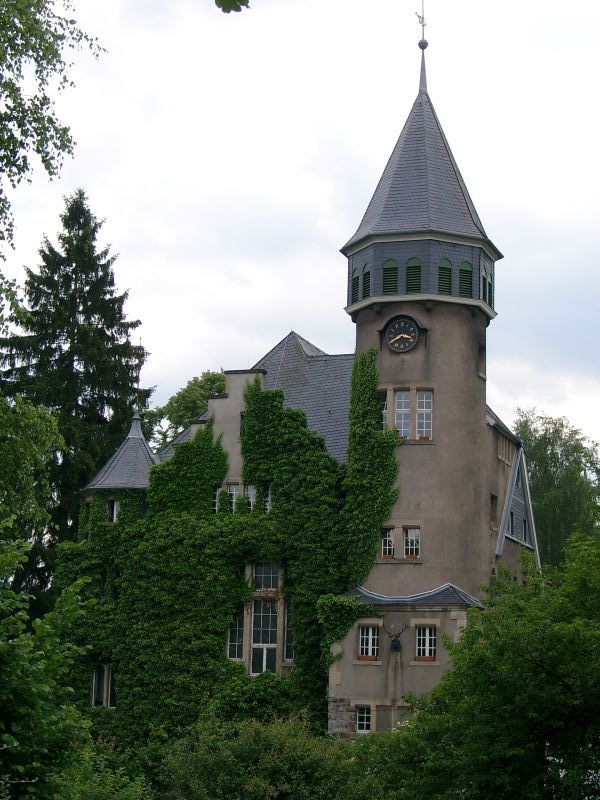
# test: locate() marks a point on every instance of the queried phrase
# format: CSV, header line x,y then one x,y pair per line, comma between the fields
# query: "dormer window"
x,y
413,276
112,510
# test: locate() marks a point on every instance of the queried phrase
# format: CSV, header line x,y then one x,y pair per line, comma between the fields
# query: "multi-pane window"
x,y
412,543
368,642
215,499
235,640
426,642
233,490
383,408
402,412
112,510
363,719
251,495
103,690
264,636
289,632
387,544
424,414
266,575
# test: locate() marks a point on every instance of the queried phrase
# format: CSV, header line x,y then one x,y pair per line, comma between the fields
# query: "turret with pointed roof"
x,y
420,214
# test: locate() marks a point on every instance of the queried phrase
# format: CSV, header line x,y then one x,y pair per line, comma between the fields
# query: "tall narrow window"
x,y
268,500
465,279
233,490
445,277
250,491
264,636
382,397
413,276
366,281
266,575
112,510
215,499
424,414
491,293
363,719
235,640
525,531
402,412
354,287
387,544
103,690
412,543
368,642
426,643
390,276
289,632
511,523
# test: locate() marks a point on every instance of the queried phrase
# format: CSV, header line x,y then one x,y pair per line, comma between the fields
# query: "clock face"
x,y
401,334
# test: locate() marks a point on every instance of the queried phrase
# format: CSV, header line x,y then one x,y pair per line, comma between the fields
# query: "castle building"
x,y
421,289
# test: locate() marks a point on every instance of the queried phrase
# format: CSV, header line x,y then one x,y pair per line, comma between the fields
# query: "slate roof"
x,y
316,382
447,594
129,467
421,189
495,420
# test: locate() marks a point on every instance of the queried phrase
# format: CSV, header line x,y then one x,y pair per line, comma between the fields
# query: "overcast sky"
x,y
233,155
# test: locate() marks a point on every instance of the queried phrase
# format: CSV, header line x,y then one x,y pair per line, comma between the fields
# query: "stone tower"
x,y
421,292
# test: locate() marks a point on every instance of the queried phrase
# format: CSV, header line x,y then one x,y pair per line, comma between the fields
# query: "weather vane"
x,y
421,18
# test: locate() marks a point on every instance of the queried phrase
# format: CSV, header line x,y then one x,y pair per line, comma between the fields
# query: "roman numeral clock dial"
x,y
401,334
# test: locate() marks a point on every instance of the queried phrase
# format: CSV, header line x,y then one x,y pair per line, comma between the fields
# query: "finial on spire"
x,y
422,44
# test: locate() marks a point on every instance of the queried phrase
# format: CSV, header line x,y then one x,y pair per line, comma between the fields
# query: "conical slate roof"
x,y
421,189
129,467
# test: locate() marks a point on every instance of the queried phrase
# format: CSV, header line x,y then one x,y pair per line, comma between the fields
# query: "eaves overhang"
x,y
439,236
421,298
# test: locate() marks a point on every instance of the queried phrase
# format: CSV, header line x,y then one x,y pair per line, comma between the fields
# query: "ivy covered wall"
x,y
168,576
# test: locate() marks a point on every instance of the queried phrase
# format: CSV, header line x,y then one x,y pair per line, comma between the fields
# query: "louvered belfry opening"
x,y
465,280
445,277
413,276
390,276
366,287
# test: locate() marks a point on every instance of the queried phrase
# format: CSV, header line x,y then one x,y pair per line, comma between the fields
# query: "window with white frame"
x,y
215,499
266,575
368,642
402,412
251,495
412,543
387,544
233,490
264,636
235,639
289,632
103,690
112,510
383,408
424,414
426,642
363,719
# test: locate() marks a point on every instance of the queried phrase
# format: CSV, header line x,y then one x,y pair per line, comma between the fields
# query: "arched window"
x,y
366,283
390,276
354,287
445,277
465,279
413,276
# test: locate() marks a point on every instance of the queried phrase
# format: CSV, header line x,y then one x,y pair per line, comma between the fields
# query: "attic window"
x,y
444,277
413,276
112,510
390,276
366,281
465,279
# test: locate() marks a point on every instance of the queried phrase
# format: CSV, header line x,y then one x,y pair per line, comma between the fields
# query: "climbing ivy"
x,y
168,576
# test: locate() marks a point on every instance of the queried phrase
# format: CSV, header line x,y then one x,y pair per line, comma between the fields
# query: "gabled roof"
x,y
421,189
447,594
129,467
317,383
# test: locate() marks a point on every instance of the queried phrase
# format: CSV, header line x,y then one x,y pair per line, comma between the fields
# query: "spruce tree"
x,y
73,354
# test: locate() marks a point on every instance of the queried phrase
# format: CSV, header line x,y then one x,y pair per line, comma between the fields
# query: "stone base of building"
x,y
341,717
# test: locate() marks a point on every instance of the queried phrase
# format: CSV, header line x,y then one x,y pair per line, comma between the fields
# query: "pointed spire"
x,y
135,432
423,80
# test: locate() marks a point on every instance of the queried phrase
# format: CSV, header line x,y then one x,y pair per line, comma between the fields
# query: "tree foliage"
x,y
564,475
232,5
36,37
518,715
73,355
186,405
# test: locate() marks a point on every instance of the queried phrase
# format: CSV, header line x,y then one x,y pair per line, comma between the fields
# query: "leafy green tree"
x,y
187,404
36,37
232,5
38,728
73,355
564,475
518,715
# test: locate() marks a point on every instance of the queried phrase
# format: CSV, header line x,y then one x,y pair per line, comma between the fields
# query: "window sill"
x,y
416,441
520,541
367,662
424,663
399,561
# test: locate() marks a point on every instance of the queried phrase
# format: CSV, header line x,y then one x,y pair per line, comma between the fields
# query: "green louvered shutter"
x,y
465,280
390,276
445,277
366,282
413,276
355,281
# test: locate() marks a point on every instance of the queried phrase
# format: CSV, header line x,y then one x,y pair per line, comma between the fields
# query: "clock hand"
x,y
395,339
